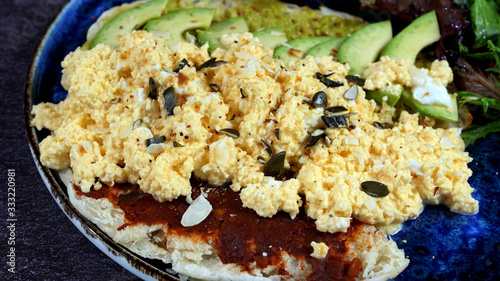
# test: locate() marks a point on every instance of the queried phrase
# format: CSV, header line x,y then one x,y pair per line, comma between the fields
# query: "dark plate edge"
x,y
53,183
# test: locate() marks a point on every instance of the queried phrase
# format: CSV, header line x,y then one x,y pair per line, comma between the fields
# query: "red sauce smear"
x,y
241,236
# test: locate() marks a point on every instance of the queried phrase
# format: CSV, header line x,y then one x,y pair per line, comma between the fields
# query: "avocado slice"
x,y
410,41
179,21
271,37
391,94
213,34
327,48
299,48
127,21
364,46
436,111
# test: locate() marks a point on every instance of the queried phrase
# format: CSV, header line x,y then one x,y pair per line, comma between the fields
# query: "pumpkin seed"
x,y
176,144
319,99
277,133
218,63
375,189
349,114
335,110
268,148
131,196
323,78
315,137
261,159
170,100
155,140
231,132
242,93
356,80
334,121
153,90
378,125
137,124
206,64
181,65
309,103
214,87
274,166
352,93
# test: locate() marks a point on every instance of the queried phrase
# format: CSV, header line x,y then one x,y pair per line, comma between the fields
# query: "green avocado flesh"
x,y
327,48
364,46
299,48
127,21
410,41
271,37
436,111
177,22
213,34
390,95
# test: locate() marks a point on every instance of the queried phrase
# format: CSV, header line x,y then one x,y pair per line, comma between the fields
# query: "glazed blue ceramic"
x,y
440,244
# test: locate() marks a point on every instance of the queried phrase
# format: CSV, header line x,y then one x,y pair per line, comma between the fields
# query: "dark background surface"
x,y
47,245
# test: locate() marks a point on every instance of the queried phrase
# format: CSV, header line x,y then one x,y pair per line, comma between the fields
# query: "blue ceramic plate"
x,y
440,244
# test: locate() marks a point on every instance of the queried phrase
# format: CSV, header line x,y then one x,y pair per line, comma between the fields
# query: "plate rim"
x,y
118,253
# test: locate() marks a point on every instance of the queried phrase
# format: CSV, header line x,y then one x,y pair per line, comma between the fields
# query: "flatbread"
x,y
379,255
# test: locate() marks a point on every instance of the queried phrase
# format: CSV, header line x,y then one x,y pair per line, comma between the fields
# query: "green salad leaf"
x,y
491,111
485,21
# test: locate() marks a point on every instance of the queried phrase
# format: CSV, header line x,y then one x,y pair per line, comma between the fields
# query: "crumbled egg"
x,y
319,250
98,140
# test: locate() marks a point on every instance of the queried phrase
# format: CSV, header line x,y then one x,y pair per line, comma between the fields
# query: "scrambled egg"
x,y
100,131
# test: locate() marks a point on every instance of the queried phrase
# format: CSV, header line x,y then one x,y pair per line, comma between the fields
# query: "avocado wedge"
x,y
213,34
127,21
436,111
299,48
364,46
390,95
410,41
327,48
179,21
271,37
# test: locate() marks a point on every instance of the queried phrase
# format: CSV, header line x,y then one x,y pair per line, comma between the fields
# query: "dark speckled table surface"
x,y
45,240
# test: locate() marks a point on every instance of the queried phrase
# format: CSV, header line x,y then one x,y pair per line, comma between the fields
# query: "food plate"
x,y
440,244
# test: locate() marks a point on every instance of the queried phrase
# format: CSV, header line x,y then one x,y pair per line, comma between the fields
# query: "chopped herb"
x,y
153,90
277,133
155,140
323,78
274,166
335,121
176,144
268,148
181,65
349,114
315,137
375,189
242,93
356,80
112,101
352,93
232,118
231,132
319,99
206,64
170,100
